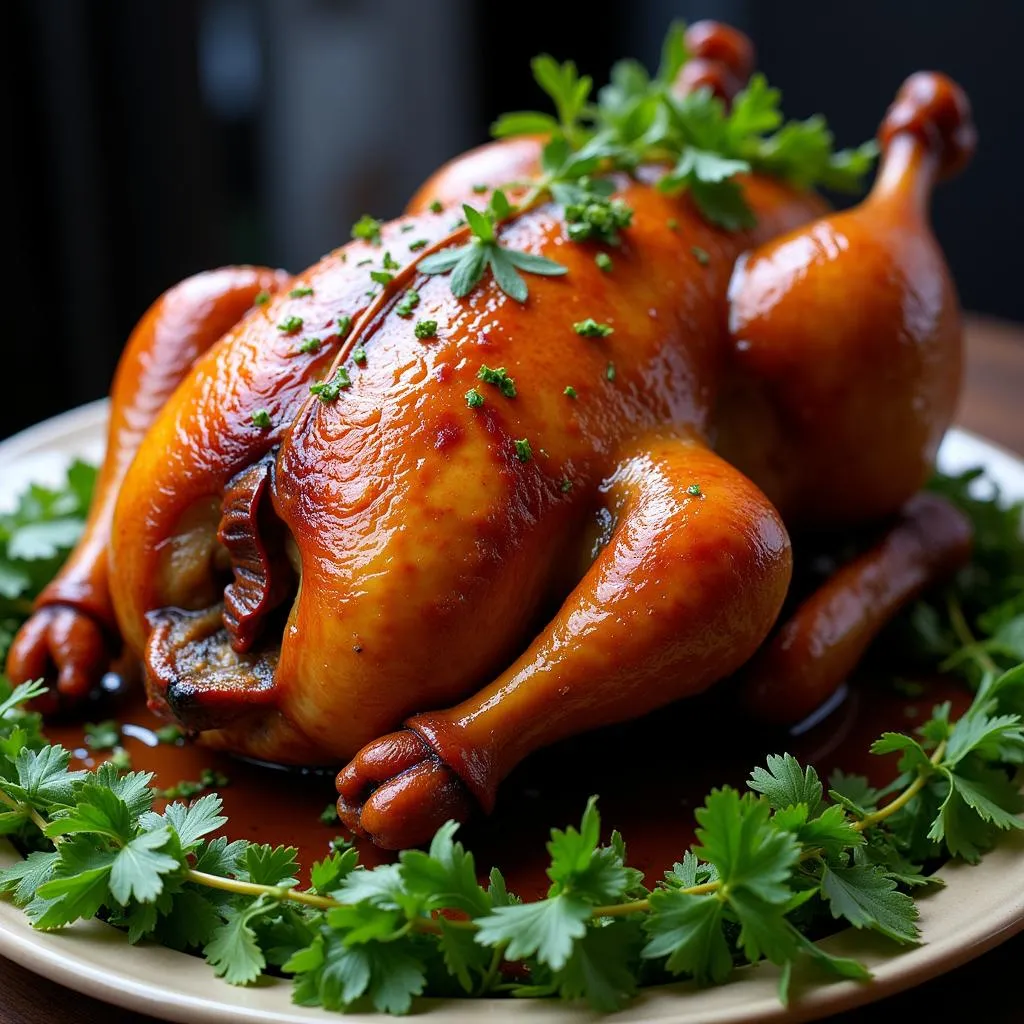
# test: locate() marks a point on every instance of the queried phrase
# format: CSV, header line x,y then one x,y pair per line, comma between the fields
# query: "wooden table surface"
x,y
993,406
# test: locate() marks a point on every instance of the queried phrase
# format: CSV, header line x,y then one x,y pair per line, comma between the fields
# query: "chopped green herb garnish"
x,y
590,328
185,789
309,345
364,263
342,325
702,256
610,372
420,243
436,206
474,399
169,734
479,188
468,262
381,277
359,355
672,224
262,298
329,815
569,392
523,450
695,490
261,419
368,229
329,390
406,228
290,325
499,378
566,485
102,735
426,329
589,214
300,293
603,261
389,263
410,300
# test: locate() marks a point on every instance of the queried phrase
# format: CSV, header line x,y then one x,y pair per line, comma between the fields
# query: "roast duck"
x,y
351,518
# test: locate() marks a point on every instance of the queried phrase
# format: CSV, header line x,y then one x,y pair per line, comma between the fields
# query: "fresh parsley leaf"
x,y
867,897
786,783
546,929
233,952
688,930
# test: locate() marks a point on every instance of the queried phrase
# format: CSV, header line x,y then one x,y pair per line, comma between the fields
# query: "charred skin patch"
x,y
195,675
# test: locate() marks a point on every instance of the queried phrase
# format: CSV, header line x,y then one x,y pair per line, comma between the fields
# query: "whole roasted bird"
x,y
413,489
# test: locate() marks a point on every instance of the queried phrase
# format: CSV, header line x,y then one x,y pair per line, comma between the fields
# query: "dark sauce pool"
x,y
650,775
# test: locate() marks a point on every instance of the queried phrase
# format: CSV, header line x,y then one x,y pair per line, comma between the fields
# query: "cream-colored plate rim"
x,y
978,908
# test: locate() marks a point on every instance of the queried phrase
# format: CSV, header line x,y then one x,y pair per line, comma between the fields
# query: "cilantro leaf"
x,y
233,952
445,876
139,867
547,928
78,886
785,783
867,897
463,955
267,865
600,968
736,837
523,122
688,931
193,821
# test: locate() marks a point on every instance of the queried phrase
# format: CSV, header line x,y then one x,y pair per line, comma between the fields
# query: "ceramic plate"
x,y
978,907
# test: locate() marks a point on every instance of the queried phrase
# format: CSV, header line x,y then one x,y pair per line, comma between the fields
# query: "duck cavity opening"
x,y
257,544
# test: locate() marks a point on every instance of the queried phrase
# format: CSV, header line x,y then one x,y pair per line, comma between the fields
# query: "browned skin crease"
x,y
252,538
484,606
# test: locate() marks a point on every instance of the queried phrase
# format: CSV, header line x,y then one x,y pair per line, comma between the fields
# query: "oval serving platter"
x,y
978,908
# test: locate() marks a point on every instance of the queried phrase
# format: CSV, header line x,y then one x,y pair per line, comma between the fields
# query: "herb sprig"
x,y
35,538
468,262
637,119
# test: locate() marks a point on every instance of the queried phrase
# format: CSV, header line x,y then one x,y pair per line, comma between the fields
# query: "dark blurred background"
x,y
147,141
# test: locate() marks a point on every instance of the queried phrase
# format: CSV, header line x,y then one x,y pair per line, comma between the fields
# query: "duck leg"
x,y
683,592
814,651
71,636
845,358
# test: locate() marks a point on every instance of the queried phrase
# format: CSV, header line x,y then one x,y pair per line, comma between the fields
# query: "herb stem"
x,y
923,775
37,819
963,632
276,892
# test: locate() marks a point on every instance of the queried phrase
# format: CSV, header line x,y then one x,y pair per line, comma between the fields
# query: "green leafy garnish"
x,y
467,263
524,453
638,119
35,538
329,390
590,328
499,378
367,229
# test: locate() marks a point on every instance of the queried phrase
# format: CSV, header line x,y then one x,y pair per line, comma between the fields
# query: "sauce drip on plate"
x,y
650,774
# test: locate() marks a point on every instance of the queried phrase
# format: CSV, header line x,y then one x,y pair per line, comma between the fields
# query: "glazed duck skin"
x,y
490,529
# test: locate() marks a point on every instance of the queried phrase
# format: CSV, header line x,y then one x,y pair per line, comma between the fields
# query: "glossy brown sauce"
x,y
650,775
